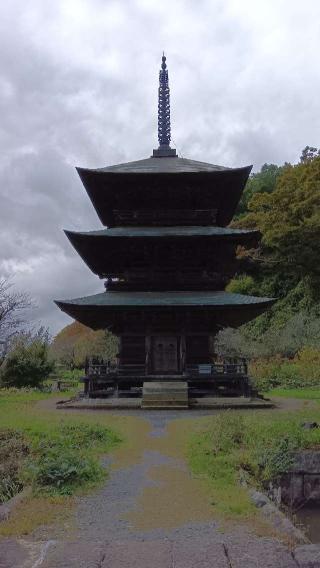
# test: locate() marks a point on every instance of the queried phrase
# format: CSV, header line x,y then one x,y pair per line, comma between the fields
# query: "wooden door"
x,y
165,355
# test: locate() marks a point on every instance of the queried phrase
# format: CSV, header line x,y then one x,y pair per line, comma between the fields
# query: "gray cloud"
x,y
78,86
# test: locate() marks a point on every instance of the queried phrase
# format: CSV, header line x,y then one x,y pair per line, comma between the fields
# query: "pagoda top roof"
x,y
165,165
189,231
166,299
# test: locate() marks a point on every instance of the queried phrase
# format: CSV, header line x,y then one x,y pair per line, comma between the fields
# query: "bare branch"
x,y
12,306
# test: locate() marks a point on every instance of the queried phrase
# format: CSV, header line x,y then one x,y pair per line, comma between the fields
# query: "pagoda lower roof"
x,y
119,311
189,231
166,299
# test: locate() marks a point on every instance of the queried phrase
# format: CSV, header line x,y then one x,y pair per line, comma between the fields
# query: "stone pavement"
x,y
191,553
151,513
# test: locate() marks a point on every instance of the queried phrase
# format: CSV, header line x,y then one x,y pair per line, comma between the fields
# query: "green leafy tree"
x,y
260,182
308,153
27,364
289,220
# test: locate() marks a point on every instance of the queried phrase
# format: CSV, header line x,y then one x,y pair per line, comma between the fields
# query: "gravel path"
x,y
150,513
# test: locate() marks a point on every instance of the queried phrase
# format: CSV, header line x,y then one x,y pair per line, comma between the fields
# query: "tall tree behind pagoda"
x,y
288,258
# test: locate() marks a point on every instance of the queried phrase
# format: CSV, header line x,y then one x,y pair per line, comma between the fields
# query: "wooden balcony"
x,y
202,378
200,370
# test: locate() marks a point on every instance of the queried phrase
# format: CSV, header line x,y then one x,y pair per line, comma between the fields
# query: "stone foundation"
x,y
302,483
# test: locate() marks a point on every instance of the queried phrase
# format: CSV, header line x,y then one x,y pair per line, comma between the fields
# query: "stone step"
x,y
165,394
164,404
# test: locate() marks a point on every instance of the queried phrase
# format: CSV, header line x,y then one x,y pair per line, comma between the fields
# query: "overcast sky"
x,y
78,87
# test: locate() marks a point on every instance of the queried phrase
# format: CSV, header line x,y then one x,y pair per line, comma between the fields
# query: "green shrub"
x,y
27,363
63,461
61,470
301,372
274,458
13,451
242,284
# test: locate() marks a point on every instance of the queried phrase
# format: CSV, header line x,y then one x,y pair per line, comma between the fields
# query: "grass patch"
x,y
57,454
66,459
233,447
301,393
13,451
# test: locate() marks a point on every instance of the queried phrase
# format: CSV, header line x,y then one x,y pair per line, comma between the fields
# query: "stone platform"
x,y
208,403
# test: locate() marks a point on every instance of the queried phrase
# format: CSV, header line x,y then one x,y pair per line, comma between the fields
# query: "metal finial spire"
x,y
164,128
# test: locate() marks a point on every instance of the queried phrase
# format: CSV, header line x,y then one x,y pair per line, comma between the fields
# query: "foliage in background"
x,y
284,205
301,371
282,338
289,220
260,182
27,364
75,342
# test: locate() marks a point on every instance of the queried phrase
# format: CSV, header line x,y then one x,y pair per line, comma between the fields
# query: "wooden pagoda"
x,y
166,256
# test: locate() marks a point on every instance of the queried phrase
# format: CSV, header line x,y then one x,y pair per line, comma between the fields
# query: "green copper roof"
x,y
163,299
166,232
163,165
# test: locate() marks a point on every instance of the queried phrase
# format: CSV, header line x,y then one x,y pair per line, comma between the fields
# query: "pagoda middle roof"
x,y
162,165
189,231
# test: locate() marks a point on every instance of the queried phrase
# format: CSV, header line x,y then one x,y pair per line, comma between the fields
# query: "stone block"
x,y
259,553
4,513
199,553
308,556
312,487
292,489
306,461
79,554
137,554
12,553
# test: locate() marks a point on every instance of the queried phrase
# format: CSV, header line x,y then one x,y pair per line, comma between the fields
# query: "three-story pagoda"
x,y
166,255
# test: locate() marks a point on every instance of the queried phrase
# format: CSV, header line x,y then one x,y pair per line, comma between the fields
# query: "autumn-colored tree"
x,y
75,342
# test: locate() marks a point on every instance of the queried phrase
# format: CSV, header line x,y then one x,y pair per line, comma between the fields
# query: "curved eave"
x,y
102,187
95,247
211,232
103,310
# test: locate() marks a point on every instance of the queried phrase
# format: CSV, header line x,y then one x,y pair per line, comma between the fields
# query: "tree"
x,y
308,153
27,364
260,182
75,342
12,306
289,220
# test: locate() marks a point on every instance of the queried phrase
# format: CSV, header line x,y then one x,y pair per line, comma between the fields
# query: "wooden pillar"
x,y
148,352
182,352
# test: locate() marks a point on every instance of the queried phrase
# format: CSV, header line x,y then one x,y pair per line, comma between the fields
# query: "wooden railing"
x,y
197,369
224,368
